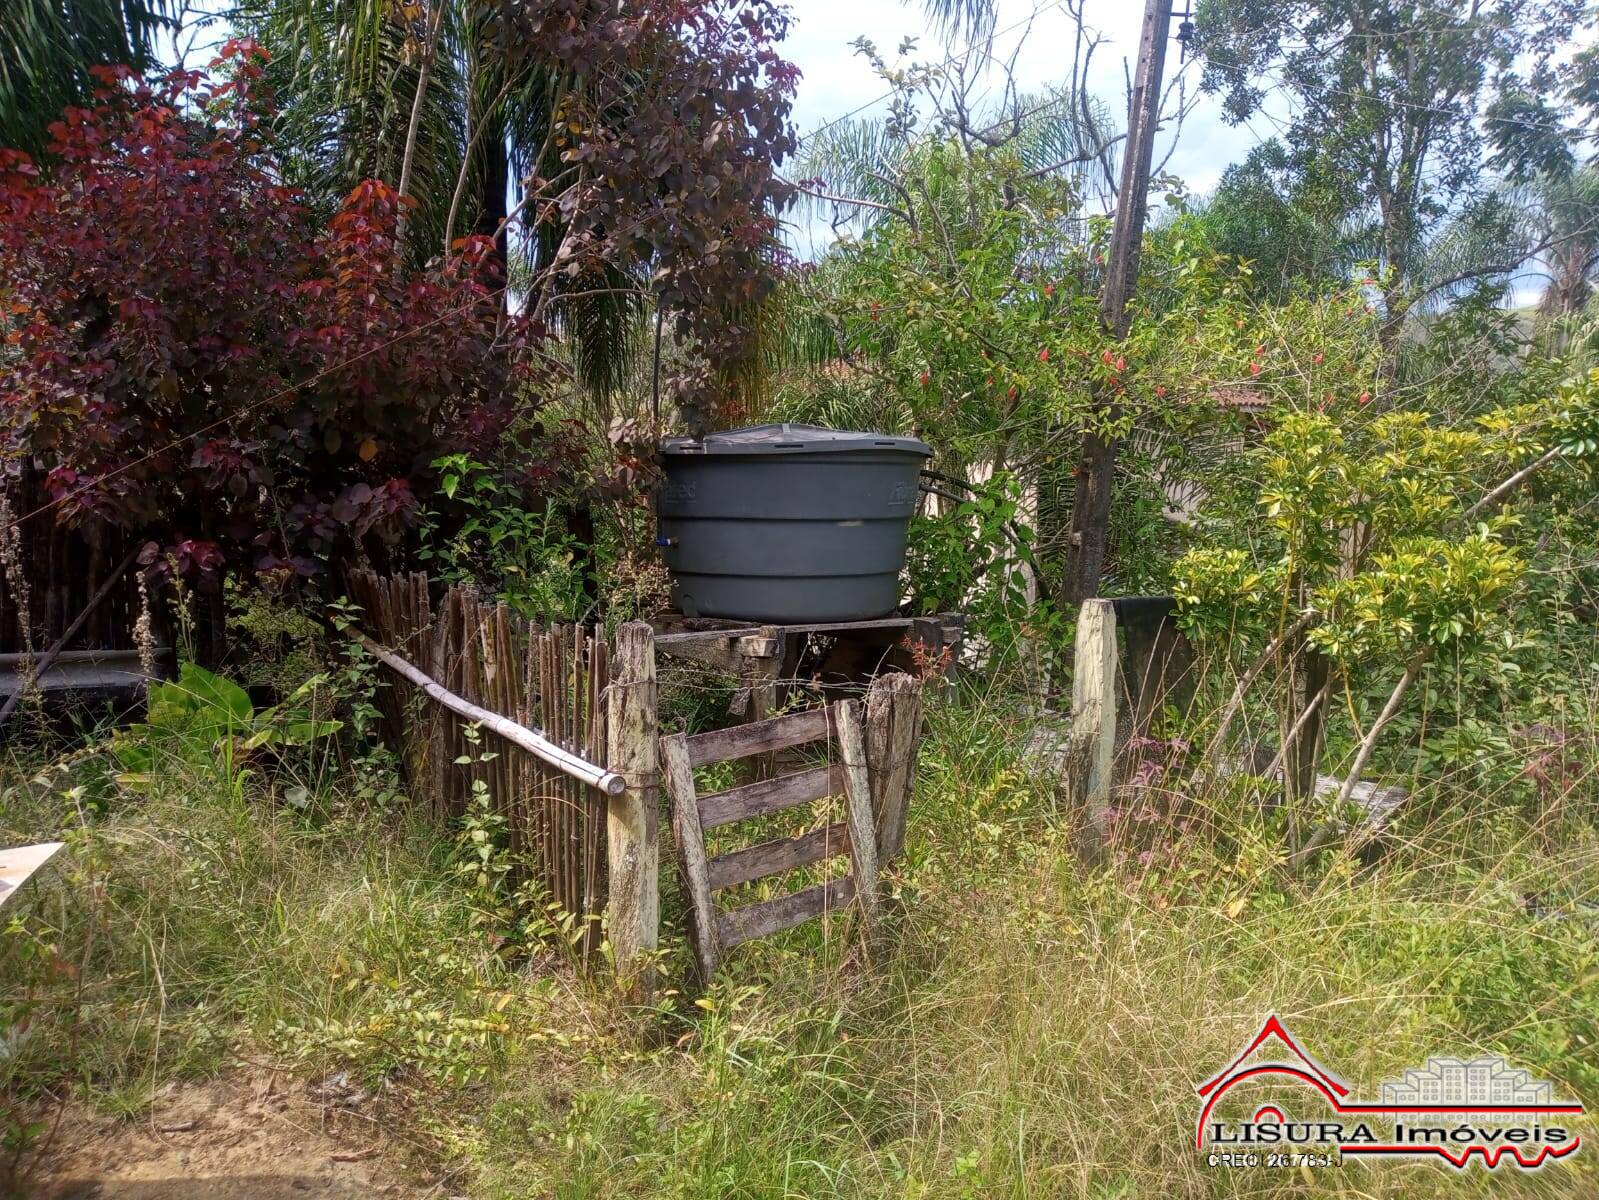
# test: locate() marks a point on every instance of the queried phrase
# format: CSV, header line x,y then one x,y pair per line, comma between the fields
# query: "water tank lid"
x,y
788,438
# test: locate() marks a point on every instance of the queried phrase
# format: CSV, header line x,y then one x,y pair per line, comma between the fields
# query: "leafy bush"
x,y
199,360
201,720
1379,543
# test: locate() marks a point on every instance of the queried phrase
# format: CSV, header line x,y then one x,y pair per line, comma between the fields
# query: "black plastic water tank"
x,y
787,523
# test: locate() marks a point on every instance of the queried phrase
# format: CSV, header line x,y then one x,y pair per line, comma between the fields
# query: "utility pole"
x,y
1085,553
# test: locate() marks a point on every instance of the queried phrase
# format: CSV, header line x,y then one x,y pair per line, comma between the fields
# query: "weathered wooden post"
x,y
1094,707
851,734
761,658
893,719
632,835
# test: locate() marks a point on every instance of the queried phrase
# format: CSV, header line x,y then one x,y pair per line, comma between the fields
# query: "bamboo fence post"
x,y
632,836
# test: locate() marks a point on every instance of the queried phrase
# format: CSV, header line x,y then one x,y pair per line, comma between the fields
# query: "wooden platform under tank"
x,y
840,654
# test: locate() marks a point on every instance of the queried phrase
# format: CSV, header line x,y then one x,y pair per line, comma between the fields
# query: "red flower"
x,y
1043,355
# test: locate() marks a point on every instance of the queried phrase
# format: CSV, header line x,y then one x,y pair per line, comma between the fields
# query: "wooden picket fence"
x,y
550,679
562,730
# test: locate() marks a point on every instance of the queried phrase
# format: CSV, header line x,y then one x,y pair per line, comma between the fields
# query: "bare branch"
x,y
856,200
1076,159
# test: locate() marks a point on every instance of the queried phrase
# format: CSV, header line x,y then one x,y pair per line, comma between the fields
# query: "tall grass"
x,y
1028,1025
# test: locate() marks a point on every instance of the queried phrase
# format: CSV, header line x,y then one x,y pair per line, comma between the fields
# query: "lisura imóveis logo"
x,y
1452,1111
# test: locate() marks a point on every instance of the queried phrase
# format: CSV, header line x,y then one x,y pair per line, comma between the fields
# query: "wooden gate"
x,y
715,930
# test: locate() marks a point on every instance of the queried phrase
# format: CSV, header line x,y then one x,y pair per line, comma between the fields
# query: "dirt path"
x,y
241,1138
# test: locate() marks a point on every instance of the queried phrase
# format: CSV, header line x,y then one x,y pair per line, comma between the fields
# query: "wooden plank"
x,y
785,912
767,796
758,737
49,656
719,655
79,677
690,838
858,793
672,643
669,642
778,855
632,843
97,657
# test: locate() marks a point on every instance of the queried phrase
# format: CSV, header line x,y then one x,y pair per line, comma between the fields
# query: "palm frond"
x,y
1488,239
961,21
48,46
347,73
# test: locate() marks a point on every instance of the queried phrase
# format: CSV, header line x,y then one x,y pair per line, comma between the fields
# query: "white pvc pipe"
x,y
535,744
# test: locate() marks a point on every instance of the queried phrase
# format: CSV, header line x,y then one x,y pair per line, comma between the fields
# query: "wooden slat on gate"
x,y
716,930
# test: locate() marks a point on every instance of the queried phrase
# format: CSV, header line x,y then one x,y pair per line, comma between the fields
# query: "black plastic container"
x,y
790,524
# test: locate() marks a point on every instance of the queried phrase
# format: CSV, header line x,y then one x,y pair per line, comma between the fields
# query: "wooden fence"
x,y
64,568
573,725
553,680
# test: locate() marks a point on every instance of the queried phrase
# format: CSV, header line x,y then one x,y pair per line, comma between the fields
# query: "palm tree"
x,y
411,92
1571,203
961,20
1547,226
375,89
48,46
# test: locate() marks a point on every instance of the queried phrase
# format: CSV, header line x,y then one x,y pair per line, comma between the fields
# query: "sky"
x,y
836,80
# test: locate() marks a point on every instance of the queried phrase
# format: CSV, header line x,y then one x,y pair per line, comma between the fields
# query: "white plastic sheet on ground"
x,y
18,863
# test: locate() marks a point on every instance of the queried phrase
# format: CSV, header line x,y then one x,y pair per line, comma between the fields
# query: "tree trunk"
x,y
413,127
496,182
580,524
1568,292
1085,551
1085,555
1308,729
